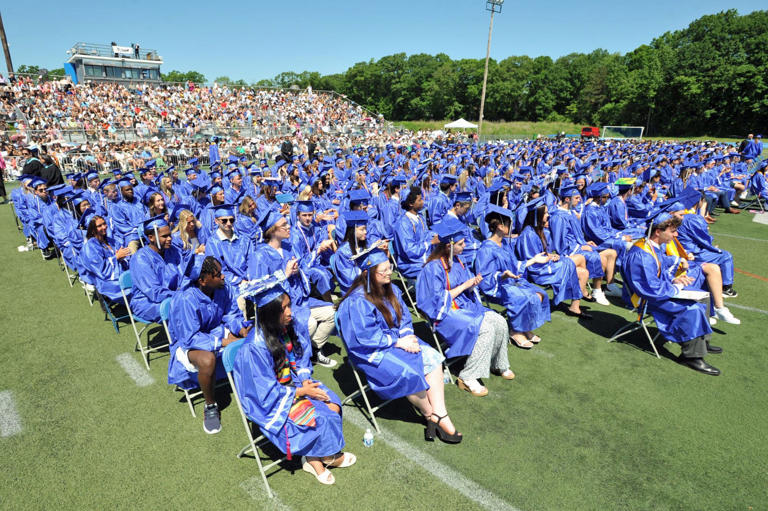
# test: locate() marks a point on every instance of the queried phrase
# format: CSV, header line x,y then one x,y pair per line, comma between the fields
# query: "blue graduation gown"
x,y
344,268
197,322
561,275
525,311
567,239
391,372
68,238
267,403
597,228
411,245
247,227
304,242
677,320
438,205
101,267
155,278
459,327
232,254
127,217
694,235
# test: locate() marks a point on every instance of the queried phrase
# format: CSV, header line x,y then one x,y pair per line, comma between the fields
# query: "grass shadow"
x,y
606,325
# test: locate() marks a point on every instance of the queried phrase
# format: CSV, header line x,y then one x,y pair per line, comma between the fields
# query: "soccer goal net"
x,y
622,132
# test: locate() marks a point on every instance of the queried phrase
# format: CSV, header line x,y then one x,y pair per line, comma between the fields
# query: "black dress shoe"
x,y
713,349
580,315
698,364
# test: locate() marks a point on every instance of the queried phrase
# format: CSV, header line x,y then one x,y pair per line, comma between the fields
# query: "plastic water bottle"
x,y
446,376
368,438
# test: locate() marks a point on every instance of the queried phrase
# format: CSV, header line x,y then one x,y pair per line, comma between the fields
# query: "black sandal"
x,y
434,428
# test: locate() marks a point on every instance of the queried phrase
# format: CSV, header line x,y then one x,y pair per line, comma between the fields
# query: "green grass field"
x,y
586,425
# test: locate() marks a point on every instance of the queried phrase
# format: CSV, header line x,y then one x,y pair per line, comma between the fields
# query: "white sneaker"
x,y
734,204
726,315
612,289
743,195
712,321
599,297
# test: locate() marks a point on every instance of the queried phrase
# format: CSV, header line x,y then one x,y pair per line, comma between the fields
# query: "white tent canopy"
x,y
461,123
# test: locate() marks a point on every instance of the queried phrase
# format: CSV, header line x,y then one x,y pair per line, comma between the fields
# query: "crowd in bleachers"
x,y
358,240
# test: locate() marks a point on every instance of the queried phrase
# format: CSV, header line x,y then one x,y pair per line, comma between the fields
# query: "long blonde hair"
x,y
184,218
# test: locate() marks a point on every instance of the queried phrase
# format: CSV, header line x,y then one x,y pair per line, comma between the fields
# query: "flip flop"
x,y
535,339
324,478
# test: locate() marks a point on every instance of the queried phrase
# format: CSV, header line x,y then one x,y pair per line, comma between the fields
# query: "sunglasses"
x,y
227,220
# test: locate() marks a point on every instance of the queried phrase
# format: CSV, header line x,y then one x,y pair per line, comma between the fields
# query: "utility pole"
x,y
494,6
5,48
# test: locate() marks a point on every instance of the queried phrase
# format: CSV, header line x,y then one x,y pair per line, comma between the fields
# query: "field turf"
x,y
586,425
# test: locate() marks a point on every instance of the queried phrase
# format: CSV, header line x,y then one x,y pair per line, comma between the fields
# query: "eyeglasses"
x,y
227,220
385,271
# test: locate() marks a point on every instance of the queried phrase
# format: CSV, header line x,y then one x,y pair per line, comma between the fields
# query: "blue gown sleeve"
x,y
145,277
432,296
645,279
187,325
359,322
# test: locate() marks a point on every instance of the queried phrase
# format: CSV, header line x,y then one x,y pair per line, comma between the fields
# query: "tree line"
x,y
709,78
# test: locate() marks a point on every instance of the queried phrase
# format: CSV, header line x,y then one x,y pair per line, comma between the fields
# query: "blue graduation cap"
x,y
568,191
269,219
37,181
91,175
359,195
153,224
150,164
232,173
449,230
148,194
462,197
116,172
271,181
214,189
86,217
598,189
397,181
223,210
494,210
374,258
215,174
65,189
123,182
448,179
355,218
143,171
305,206
176,209
268,293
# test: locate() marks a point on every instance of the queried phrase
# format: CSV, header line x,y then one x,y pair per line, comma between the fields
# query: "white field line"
x,y
137,373
10,422
736,236
746,308
254,487
447,475
760,219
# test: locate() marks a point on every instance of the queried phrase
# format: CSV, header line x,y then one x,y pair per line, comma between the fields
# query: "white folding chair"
x,y
361,388
228,358
126,284
644,319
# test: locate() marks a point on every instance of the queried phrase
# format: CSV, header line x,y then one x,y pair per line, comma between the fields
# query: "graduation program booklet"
x,y
691,294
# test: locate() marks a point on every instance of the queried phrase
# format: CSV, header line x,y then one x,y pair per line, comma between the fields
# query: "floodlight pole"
x,y
6,50
494,6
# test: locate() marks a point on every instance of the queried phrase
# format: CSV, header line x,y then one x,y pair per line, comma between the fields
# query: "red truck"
x,y
589,132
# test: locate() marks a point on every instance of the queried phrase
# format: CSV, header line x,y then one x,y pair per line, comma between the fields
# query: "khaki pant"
x,y
321,324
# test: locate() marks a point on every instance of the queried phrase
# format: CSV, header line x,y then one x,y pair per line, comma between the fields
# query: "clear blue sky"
x,y
255,39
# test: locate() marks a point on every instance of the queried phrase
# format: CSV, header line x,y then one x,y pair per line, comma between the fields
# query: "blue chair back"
x,y
165,309
126,282
230,353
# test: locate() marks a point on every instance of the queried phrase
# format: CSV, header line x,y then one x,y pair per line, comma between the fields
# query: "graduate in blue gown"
x,y
566,279
504,280
376,328
446,292
355,240
203,319
102,261
568,240
680,321
156,270
127,215
227,247
312,245
247,221
596,223
273,378
412,240
440,203
275,255
694,235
